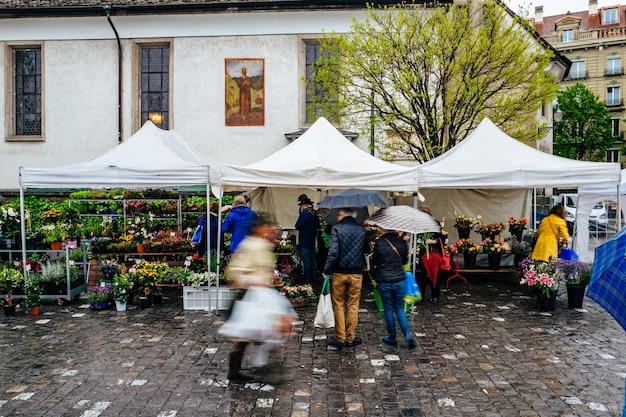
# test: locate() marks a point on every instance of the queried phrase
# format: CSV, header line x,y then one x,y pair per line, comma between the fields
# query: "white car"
x,y
598,219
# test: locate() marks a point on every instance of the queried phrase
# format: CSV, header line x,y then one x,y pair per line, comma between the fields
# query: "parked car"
x,y
598,218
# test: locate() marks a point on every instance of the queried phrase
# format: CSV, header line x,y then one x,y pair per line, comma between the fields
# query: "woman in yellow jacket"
x,y
552,232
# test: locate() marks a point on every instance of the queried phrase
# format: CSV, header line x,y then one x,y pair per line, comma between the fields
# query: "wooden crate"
x,y
93,273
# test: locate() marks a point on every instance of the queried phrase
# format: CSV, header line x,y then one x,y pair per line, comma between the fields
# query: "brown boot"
x,y
234,368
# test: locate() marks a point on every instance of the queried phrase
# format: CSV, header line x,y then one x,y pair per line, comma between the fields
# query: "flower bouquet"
x,y
517,227
488,229
464,222
283,246
467,246
298,295
540,275
491,247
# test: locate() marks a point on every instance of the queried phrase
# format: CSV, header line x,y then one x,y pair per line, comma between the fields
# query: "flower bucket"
x,y
547,302
120,305
469,260
9,311
34,311
494,260
464,232
575,296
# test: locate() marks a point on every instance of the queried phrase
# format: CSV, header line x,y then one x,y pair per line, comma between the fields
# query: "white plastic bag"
x,y
261,315
324,316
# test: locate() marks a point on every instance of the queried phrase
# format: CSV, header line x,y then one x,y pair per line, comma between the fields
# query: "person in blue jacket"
x,y
238,222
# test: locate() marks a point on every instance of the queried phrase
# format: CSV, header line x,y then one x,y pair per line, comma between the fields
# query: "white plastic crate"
x,y
198,298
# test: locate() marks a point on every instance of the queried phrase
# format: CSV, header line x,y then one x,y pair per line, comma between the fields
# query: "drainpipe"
x,y
107,9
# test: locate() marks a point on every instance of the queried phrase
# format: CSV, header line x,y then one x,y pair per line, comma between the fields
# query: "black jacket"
x,y
347,247
386,264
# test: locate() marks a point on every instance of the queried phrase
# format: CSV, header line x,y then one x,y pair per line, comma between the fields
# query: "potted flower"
x,y
494,250
299,295
32,292
122,287
9,225
283,246
109,269
517,227
464,225
10,279
576,275
54,235
488,230
54,276
470,250
519,249
100,296
543,277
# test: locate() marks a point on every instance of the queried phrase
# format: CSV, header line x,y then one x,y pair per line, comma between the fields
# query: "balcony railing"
x,y
609,72
615,102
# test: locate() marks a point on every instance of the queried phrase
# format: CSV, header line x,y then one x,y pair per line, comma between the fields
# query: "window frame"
x,y
612,14
615,100
575,75
138,47
305,41
615,124
570,35
612,69
10,92
613,155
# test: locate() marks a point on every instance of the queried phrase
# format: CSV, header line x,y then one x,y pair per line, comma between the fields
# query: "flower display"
x,y
544,276
488,228
467,246
489,246
291,292
122,286
516,225
464,222
283,246
9,222
10,279
147,274
575,272
109,269
100,294
279,277
451,249
518,247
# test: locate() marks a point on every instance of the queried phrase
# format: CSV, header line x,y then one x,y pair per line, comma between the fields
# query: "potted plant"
x,y
9,225
517,227
543,277
470,250
100,296
494,250
109,269
54,235
54,276
299,295
32,292
10,279
519,249
122,287
576,274
464,224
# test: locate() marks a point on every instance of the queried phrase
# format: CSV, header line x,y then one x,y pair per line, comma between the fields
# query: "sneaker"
x,y
334,345
357,341
412,343
389,341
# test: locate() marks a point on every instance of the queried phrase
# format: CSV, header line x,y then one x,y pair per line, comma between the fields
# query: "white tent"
x,y
588,197
322,158
151,158
489,158
492,174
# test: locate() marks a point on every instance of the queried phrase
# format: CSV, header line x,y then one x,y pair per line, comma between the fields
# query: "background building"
x,y
595,41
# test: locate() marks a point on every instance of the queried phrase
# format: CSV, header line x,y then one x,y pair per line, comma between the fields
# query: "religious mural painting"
x,y
245,92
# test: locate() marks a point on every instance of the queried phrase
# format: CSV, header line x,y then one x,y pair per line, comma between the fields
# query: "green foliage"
x,y
32,291
434,73
585,132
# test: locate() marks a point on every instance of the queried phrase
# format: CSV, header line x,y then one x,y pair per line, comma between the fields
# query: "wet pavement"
x,y
485,350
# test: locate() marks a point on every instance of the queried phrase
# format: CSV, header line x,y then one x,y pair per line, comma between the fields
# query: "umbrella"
x,y
404,219
607,286
352,197
330,215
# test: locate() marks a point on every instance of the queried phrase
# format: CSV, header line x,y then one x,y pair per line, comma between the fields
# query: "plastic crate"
x,y
198,298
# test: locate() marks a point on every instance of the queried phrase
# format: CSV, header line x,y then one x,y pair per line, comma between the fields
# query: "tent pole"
x,y
619,210
23,232
219,249
534,208
208,244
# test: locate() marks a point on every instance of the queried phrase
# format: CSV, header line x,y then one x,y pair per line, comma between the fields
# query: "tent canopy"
x,y
489,158
152,157
322,158
588,197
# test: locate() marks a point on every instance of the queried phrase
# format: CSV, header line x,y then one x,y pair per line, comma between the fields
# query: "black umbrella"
x,y
352,197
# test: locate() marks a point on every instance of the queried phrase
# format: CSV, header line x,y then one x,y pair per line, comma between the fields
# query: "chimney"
x,y
539,14
593,7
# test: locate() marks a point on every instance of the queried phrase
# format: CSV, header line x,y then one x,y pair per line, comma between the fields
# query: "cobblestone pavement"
x,y
485,351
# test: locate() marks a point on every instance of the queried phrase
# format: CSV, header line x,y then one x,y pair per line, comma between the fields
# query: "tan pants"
x,y
346,296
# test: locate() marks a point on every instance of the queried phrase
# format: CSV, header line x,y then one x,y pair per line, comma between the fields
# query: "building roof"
x,y
58,8
587,21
